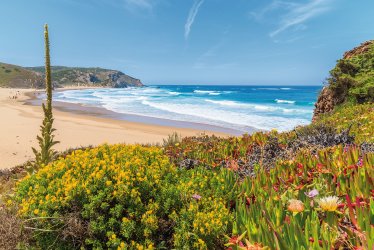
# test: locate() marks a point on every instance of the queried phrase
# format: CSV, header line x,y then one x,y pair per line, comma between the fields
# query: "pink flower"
x,y
360,162
312,193
196,197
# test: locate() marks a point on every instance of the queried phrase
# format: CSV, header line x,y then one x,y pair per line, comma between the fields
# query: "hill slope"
x,y
351,81
13,76
72,76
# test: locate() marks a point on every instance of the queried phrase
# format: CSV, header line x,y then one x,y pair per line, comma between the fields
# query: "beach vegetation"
x,y
359,119
46,140
131,196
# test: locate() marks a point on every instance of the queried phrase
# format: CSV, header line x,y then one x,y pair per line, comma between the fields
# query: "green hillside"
x,y
353,76
72,76
13,76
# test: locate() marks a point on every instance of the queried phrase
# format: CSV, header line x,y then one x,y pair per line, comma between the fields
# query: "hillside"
x,y
14,76
72,76
350,82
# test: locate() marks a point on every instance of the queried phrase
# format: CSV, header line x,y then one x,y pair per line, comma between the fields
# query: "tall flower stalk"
x,y
46,140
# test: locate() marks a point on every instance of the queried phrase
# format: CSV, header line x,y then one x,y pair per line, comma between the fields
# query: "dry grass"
x,y
12,234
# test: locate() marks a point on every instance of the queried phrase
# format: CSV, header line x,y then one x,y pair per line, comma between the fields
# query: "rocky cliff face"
x,y
325,103
352,80
362,49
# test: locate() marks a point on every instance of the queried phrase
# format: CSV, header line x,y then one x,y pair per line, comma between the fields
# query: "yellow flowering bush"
x,y
206,216
126,197
116,189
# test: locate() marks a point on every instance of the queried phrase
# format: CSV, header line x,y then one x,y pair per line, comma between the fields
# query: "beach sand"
x,y
19,126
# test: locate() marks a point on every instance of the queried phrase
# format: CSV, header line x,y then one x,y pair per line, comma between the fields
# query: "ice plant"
x,y
312,193
329,203
295,206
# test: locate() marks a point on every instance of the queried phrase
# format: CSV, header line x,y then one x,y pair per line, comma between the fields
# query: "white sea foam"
x,y
268,88
168,103
284,101
258,107
208,92
214,116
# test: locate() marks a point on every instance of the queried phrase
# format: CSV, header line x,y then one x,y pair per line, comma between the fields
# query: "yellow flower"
x,y
329,203
36,211
295,206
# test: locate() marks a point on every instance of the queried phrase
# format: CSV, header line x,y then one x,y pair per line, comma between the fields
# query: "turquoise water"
x,y
241,108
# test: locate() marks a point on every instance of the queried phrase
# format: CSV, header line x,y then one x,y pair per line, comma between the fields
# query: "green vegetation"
x,y
352,79
126,197
359,118
73,76
135,197
46,139
13,76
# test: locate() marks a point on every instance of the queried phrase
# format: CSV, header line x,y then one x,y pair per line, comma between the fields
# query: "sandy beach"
x,y
19,125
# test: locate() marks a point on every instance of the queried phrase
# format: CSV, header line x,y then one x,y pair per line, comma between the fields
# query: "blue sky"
x,y
262,42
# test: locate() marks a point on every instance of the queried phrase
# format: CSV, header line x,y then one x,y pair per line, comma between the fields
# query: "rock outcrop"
x,y
325,103
363,48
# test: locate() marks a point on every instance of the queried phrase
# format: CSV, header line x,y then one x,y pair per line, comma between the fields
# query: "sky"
x,y
251,42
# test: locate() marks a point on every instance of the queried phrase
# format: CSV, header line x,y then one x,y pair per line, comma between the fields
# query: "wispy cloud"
x,y
139,4
295,14
191,17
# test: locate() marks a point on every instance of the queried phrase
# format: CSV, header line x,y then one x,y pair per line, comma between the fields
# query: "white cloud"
x,y
191,17
141,4
295,13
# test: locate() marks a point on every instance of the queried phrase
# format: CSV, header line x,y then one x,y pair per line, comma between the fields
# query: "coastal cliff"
x,y
351,81
14,76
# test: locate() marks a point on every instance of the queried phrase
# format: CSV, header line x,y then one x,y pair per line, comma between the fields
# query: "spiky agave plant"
x,y
46,140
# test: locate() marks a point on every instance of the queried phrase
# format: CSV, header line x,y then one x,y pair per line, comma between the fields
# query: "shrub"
x,y
125,197
172,139
359,118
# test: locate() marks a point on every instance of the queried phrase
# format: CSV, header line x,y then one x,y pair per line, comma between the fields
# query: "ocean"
x,y
238,108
